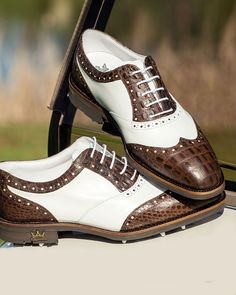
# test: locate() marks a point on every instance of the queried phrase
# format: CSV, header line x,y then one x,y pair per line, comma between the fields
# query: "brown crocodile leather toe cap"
x,y
165,208
191,164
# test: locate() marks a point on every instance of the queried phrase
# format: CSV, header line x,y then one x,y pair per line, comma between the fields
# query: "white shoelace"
x,y
153,91
125,162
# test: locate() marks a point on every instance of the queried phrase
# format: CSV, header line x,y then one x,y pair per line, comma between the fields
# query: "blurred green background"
x,y
193,42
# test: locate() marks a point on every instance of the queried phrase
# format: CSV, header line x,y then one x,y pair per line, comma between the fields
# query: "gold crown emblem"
x,y
38,235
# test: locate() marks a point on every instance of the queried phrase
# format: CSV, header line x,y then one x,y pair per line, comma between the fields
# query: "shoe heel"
x,y
35,235
89,108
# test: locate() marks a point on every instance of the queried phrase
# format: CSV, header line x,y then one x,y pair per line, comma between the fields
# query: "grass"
x,y
23,141
1,243
224,144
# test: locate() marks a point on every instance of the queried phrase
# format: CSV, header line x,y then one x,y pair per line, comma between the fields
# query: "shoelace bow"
x,y
153,91
113,158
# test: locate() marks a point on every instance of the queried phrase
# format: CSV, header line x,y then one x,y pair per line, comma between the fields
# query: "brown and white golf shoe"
x,y
87,189
111,83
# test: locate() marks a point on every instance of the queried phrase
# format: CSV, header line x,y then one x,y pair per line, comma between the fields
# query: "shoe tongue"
x,y
140,63
84,143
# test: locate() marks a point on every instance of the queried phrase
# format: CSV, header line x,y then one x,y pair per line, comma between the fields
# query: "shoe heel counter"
x,y
78,79
14,208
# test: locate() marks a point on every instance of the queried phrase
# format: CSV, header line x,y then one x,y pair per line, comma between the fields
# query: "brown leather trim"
x,y
95,74
163,209
191,164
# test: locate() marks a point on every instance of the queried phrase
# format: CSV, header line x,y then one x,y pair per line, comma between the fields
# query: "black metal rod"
x,y
95,14
53,140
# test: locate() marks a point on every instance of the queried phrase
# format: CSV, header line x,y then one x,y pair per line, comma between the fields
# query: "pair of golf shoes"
x,y
169,178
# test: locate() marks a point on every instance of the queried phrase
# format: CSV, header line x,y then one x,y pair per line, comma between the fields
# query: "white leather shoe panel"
x,y
43,175
97,41
166,135
47,169
112,213
72,201
113,96
16,167
104,61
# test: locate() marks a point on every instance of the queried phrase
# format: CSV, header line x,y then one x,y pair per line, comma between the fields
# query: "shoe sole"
x,y
100,115
47,234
